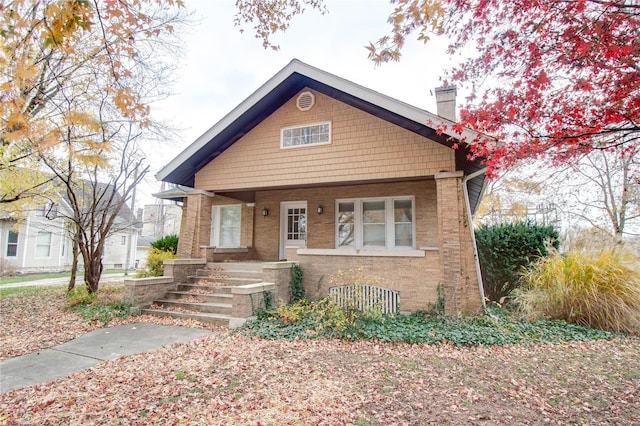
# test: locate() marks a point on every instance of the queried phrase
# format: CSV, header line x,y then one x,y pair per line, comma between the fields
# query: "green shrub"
x,y
155,266
167,243
600,290
505,249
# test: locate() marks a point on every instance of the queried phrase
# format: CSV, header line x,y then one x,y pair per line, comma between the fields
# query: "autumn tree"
x,y
557,78
598,191
78,78
48,45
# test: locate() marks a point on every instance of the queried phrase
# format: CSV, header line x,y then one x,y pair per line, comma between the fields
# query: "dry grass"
x,y
596,289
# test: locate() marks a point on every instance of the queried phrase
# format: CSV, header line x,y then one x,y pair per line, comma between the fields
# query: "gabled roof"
x,y
282,87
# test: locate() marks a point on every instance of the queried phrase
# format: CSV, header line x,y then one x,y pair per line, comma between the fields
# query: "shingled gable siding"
x,y
363,147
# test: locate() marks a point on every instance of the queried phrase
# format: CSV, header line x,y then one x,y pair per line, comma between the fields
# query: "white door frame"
x,y
284,243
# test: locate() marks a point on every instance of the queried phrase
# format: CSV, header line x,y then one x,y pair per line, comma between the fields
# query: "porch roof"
x,y
283,86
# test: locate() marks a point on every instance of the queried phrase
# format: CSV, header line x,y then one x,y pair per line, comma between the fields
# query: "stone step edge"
x,y
179,302
182,314
186,293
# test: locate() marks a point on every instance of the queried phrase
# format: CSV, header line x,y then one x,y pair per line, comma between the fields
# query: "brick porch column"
x,y
196,224
456,248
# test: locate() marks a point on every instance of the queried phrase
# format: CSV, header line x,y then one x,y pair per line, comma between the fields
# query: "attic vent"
x,y
305,101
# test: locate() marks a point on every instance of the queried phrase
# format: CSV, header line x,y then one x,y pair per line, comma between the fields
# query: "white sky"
x,y
222,66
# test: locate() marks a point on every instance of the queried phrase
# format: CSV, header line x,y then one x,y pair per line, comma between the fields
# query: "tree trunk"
x,y
74,264
92,273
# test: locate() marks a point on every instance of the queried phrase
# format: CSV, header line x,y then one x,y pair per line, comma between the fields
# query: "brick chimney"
x,y
446,101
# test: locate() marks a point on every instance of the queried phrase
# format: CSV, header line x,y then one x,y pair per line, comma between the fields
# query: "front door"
x,y
293,225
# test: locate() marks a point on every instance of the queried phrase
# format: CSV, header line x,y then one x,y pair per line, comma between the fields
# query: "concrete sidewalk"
x,y
89,350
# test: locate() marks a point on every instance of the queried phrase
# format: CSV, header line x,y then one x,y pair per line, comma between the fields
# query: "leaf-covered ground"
x,y
230,379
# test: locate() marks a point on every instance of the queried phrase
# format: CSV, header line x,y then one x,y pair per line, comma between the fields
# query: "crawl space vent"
x,y
305,101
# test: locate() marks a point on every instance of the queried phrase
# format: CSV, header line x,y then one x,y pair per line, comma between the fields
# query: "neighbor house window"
x,y
48,210
225,226
12,244
376,223
43,244
123,240
312,134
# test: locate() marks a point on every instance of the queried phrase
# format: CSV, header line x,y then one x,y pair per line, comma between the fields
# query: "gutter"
x,y
465,190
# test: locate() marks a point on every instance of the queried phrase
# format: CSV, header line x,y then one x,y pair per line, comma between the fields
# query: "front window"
x,y
380,223
346,224
312,134
225,224
43,244
12,244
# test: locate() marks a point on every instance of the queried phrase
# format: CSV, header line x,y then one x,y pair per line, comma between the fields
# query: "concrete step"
x,y
234,266
230,273
208,318
204,307
207,297
229,281
211,289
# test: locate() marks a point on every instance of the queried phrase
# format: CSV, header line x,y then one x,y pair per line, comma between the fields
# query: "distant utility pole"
x,y
131,223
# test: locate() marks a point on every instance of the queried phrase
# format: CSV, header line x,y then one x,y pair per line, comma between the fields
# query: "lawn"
x,y
229,378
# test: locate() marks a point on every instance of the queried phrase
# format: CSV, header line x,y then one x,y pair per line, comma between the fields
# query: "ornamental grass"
x,y
595,289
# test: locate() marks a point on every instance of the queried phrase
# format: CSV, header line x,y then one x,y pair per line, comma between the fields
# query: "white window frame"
x,y
9,243
123,240
390,228
303,126
215,224
39,244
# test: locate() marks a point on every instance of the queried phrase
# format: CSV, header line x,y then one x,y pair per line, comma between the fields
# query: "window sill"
x,y
362,252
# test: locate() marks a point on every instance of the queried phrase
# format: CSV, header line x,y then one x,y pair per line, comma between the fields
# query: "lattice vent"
x,y
305,101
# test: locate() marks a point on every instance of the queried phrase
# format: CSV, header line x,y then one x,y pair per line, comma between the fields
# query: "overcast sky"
x,y
222,67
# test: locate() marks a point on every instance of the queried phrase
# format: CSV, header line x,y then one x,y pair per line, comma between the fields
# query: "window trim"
x,y
389,223
214,239
9,243
300,126
39,244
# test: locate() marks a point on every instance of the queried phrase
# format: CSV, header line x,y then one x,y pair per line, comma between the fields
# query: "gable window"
x,y
123,240
225,225
375,223
43,244
310,134
12,244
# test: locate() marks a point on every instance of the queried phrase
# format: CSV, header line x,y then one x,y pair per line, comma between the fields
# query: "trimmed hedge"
x,y
504,250
167,243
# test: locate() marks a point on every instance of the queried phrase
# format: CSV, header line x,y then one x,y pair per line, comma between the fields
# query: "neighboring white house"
x,y
40,242
158,220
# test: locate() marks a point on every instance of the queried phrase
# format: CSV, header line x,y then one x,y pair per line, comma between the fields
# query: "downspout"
x,y
467,203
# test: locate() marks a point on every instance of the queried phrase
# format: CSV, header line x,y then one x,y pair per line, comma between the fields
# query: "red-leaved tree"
x,y
546,77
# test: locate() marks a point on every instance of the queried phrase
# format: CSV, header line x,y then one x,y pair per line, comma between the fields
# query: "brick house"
x,y
318,170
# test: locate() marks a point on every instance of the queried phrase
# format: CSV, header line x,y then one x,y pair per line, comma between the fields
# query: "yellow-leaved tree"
x,y
77,79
